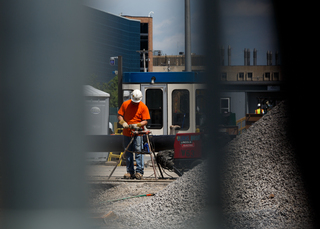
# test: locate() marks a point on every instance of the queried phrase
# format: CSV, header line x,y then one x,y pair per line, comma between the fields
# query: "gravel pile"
x,y
103,195
262,183
179,205
262,187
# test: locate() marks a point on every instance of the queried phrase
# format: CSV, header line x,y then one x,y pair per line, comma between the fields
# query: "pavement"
x,y
99,172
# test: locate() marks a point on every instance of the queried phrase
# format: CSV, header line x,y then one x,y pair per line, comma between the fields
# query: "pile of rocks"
x,y
179,205
262,183
262,186
107,197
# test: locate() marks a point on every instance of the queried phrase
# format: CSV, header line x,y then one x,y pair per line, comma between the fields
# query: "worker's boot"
x,y
128,176
138,176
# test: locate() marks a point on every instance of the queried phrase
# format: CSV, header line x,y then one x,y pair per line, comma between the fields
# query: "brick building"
x,y
146,40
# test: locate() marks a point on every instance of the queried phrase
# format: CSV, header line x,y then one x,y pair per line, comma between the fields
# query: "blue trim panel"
x,y
163,77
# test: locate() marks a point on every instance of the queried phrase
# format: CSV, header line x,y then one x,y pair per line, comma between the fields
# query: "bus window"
x,y
126,95
154,101
200,107
180,108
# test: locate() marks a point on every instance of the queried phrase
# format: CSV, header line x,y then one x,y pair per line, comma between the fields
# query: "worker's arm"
x,y
120,117
122,121
139,124
144,122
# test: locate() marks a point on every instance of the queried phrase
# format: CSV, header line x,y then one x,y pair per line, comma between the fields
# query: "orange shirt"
x,y
133,114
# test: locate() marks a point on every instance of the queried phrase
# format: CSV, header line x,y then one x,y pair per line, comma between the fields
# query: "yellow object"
x,y
112,155
259,111
118,131
240,121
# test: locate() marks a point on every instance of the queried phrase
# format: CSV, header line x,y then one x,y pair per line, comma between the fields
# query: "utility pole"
x,y
167,68
112,63
187,36
144,57
120,93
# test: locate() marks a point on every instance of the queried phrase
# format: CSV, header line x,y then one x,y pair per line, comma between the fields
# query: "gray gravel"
x,y
262,187
102,193
262,183
179,205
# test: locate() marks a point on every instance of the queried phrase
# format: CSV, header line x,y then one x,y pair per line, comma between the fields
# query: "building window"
x,y
181,108
223,76
241,76
144,28
249,76
276,76
154,101
225,105
267,76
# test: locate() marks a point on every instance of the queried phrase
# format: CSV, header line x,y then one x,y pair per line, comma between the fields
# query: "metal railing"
x,y
240,124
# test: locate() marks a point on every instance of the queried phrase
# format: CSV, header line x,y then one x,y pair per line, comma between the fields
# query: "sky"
x,y
249,24
244,23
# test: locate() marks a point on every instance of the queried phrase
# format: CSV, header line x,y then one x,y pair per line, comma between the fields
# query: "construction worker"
x,y
132,114
259,110
268,107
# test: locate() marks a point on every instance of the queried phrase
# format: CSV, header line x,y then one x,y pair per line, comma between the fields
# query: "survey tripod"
x,y
150,151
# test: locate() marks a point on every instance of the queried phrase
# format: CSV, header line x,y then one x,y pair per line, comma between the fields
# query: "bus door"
x,y
155,97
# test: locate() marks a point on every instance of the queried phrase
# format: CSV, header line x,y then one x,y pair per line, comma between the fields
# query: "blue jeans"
x,y
136,146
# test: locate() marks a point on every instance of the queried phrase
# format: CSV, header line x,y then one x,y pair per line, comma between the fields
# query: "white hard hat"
x,y
259,105
136,96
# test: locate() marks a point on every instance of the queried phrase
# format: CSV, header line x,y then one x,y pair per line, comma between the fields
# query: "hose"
x,y
108,201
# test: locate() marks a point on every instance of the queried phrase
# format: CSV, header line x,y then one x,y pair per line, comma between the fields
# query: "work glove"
x,y
124,124
135,126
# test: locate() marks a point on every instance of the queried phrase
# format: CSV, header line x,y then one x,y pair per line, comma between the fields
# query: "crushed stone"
x,y
262,181
179,205
101,194
262,187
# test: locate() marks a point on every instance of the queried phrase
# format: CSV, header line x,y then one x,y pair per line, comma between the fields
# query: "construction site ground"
x,y
99,172
261,183
105,193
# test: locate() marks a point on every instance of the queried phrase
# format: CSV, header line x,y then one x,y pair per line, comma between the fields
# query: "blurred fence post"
x,y
41,119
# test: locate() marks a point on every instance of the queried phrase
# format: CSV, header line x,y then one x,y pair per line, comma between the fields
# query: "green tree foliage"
x,y
111,87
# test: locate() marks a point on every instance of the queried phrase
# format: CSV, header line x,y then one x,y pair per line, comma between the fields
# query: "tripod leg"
x,y
154,169
121,158
154,158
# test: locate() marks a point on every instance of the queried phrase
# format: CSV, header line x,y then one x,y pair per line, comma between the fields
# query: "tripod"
x,y
146,133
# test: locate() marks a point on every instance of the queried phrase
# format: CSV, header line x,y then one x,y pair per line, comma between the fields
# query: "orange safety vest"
x,y
259,111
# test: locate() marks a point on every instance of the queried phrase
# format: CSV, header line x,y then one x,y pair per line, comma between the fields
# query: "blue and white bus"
x,y
173,98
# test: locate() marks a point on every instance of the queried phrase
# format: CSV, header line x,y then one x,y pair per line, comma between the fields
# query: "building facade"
x,y
242,87
176,63
146,41
110,36
253,73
